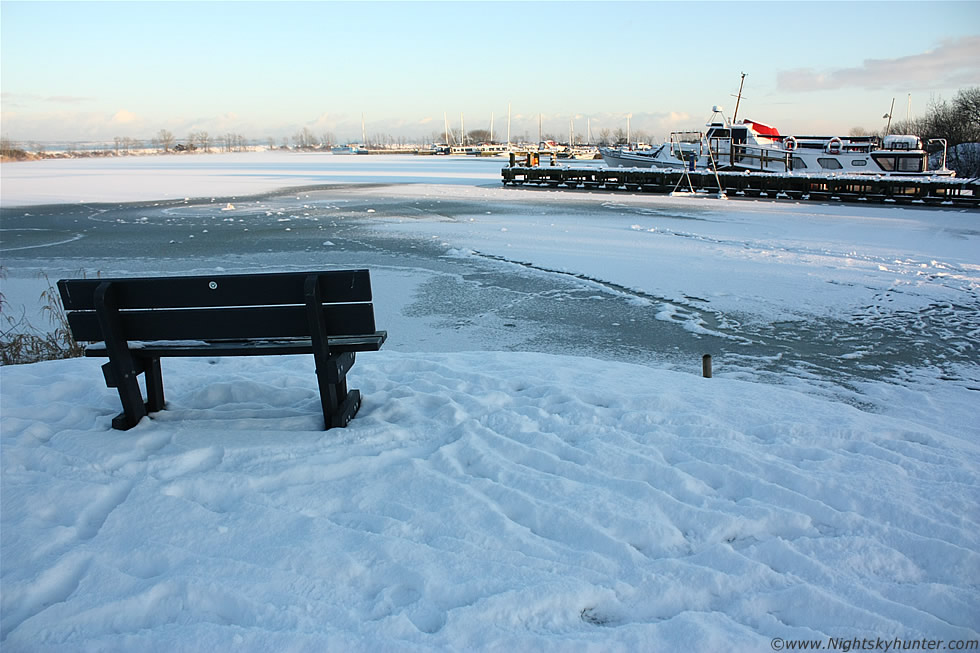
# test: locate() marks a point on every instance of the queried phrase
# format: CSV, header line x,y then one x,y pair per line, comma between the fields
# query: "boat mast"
x,y
738,98
445,119
508,125
491,126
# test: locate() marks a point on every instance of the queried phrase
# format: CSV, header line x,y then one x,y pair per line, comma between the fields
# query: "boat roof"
x,y
761,128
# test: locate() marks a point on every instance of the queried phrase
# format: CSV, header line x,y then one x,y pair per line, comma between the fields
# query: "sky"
x,y
90,71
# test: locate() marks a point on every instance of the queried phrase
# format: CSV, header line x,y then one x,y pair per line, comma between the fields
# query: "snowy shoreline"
x,y
494,500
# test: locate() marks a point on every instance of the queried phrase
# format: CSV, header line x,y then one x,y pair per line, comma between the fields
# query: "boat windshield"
x,y
900,163
686,137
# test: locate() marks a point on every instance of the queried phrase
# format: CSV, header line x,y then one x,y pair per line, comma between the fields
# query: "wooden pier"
x,y
942,191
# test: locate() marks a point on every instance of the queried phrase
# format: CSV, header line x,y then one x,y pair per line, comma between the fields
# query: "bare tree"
x,y
204,141
166,139
304,139
478,136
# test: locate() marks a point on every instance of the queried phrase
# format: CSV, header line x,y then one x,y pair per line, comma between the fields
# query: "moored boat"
x,y
349,149
756,147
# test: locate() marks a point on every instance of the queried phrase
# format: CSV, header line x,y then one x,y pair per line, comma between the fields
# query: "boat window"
x,y
718,133
886,163
910,164
829,164
740,135
796,163
859,163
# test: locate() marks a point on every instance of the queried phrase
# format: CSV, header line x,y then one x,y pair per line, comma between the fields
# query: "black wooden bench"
x,y
138,321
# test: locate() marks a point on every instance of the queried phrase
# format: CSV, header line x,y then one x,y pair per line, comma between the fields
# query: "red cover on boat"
x,y
763,130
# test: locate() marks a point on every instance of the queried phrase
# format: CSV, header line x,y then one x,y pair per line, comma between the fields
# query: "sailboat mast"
x,y
738,99
508,124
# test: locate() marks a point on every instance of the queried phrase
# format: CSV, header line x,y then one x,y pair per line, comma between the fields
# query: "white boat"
x,y
349,149
580,152
456,150
754,146
491,149
585,152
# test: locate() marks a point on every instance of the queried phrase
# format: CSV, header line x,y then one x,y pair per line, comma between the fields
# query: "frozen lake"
x,y
491,494
831,295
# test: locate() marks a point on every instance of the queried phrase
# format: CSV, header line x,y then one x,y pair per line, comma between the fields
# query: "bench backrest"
x,y
215,307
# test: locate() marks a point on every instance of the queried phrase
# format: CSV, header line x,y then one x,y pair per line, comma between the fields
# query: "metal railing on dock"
x,y
949,191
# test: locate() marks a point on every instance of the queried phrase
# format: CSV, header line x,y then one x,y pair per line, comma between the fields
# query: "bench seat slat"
x,y
341,286
226,323
265,347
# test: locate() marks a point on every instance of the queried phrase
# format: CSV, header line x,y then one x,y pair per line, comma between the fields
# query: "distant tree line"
x,y
957,121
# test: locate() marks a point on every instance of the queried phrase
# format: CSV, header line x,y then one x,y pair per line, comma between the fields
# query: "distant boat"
x,y
491,149
348,149
436,148
584,152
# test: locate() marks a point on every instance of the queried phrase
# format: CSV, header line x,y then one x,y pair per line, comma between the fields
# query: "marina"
x,y
934,190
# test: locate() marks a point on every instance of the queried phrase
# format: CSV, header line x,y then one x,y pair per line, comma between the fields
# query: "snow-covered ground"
x,y
505,500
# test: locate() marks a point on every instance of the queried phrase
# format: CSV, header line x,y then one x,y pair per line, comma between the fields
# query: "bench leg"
x,y
126,384
339,404
154,385
132,400
129,392
122,370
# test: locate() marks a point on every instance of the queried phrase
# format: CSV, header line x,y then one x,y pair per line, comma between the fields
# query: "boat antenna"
x,y
738,98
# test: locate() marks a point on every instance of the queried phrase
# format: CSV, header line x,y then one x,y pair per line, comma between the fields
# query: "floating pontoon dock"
x,y
948,191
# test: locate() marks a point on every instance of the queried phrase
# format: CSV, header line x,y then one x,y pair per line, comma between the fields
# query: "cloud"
x,y
123,117
67,99
31,99
17,100
955,63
